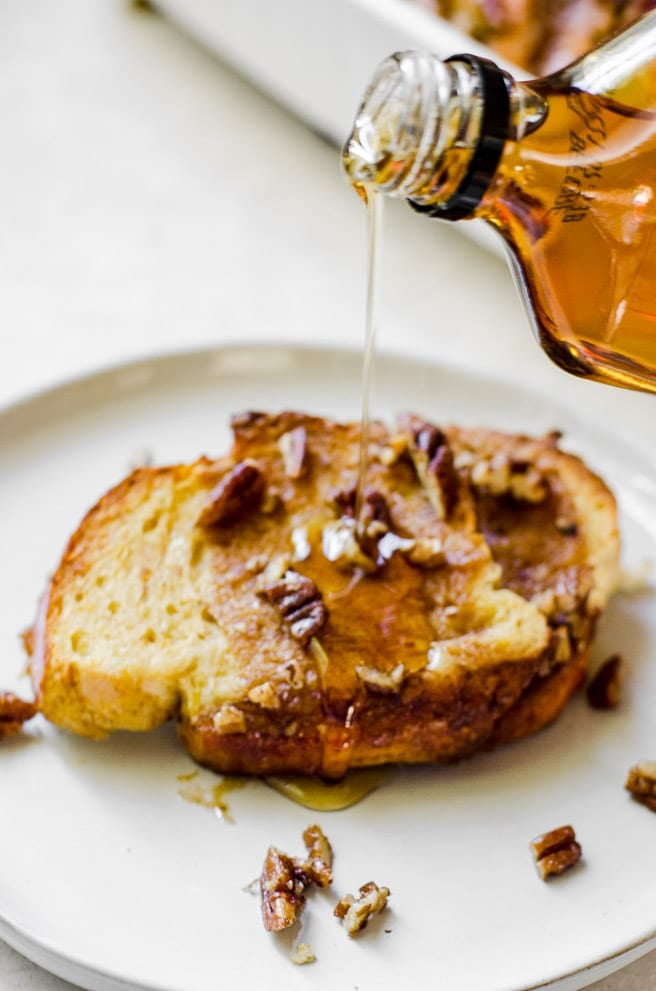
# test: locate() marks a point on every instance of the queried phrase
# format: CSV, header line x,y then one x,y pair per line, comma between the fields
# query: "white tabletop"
x,y
151,199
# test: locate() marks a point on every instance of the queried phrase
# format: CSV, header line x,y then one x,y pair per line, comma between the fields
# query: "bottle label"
x,y
587,137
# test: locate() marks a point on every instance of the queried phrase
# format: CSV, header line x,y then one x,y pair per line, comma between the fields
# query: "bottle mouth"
x,y
405,122
431,132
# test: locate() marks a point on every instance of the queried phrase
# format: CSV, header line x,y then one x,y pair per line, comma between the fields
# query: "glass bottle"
x,y
563,168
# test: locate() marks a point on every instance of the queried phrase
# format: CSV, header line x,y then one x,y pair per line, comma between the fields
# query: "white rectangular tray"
x,y
316,56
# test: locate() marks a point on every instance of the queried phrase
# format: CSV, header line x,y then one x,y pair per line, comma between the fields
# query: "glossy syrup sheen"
x,y
576,203
322,796
310,792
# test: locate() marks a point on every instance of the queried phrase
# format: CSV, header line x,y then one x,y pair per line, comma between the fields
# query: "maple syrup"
x,y
374,204
323,796
198,790
563,168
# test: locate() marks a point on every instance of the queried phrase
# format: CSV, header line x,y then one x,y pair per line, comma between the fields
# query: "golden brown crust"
x,y
152,615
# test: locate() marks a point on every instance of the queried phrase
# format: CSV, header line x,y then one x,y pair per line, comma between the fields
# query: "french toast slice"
x,y
238,597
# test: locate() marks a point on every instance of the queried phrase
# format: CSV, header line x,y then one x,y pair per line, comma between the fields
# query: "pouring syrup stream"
x,y
374,204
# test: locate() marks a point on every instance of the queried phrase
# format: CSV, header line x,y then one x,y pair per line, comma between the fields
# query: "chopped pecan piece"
x,y
238,492
441,466
383,682
264,695
428,438
641,782
374,523
500,475
374,507
390,544
341,546
355,913
14,711
394,450
307,621
356,544
301,543
603,691
282,891
433,460
374,510
422,552
343,501
555,851
229,719
299,601
320,853
561,645
293,447
284,879
427,552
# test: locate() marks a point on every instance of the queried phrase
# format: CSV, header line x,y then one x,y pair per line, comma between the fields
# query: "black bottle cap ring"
x,y
487,153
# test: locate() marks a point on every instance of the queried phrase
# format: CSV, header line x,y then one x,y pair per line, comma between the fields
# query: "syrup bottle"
x,y
563,168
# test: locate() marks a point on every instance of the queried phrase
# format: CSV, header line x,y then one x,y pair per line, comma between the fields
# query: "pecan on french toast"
x,y
238,597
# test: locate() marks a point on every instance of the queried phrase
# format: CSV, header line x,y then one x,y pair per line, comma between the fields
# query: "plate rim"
x,y
71,968
194,353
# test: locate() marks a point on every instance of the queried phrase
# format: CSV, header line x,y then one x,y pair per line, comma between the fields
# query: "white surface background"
x,y
150,199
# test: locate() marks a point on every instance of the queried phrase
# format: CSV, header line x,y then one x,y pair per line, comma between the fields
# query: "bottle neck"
x,y
492,89
433,132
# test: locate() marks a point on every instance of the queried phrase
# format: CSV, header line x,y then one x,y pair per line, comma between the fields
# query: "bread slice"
x,y
237,597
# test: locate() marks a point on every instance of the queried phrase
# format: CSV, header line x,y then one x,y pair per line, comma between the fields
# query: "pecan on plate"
x,y
319,864
356,912
237,494
281,889
14,711
641,782
556,851
284,879
603,691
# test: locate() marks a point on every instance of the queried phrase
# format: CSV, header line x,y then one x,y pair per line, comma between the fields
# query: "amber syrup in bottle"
x,y
563,168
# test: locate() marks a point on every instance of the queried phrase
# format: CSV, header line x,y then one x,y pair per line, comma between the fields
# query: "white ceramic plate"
x,y
109,879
